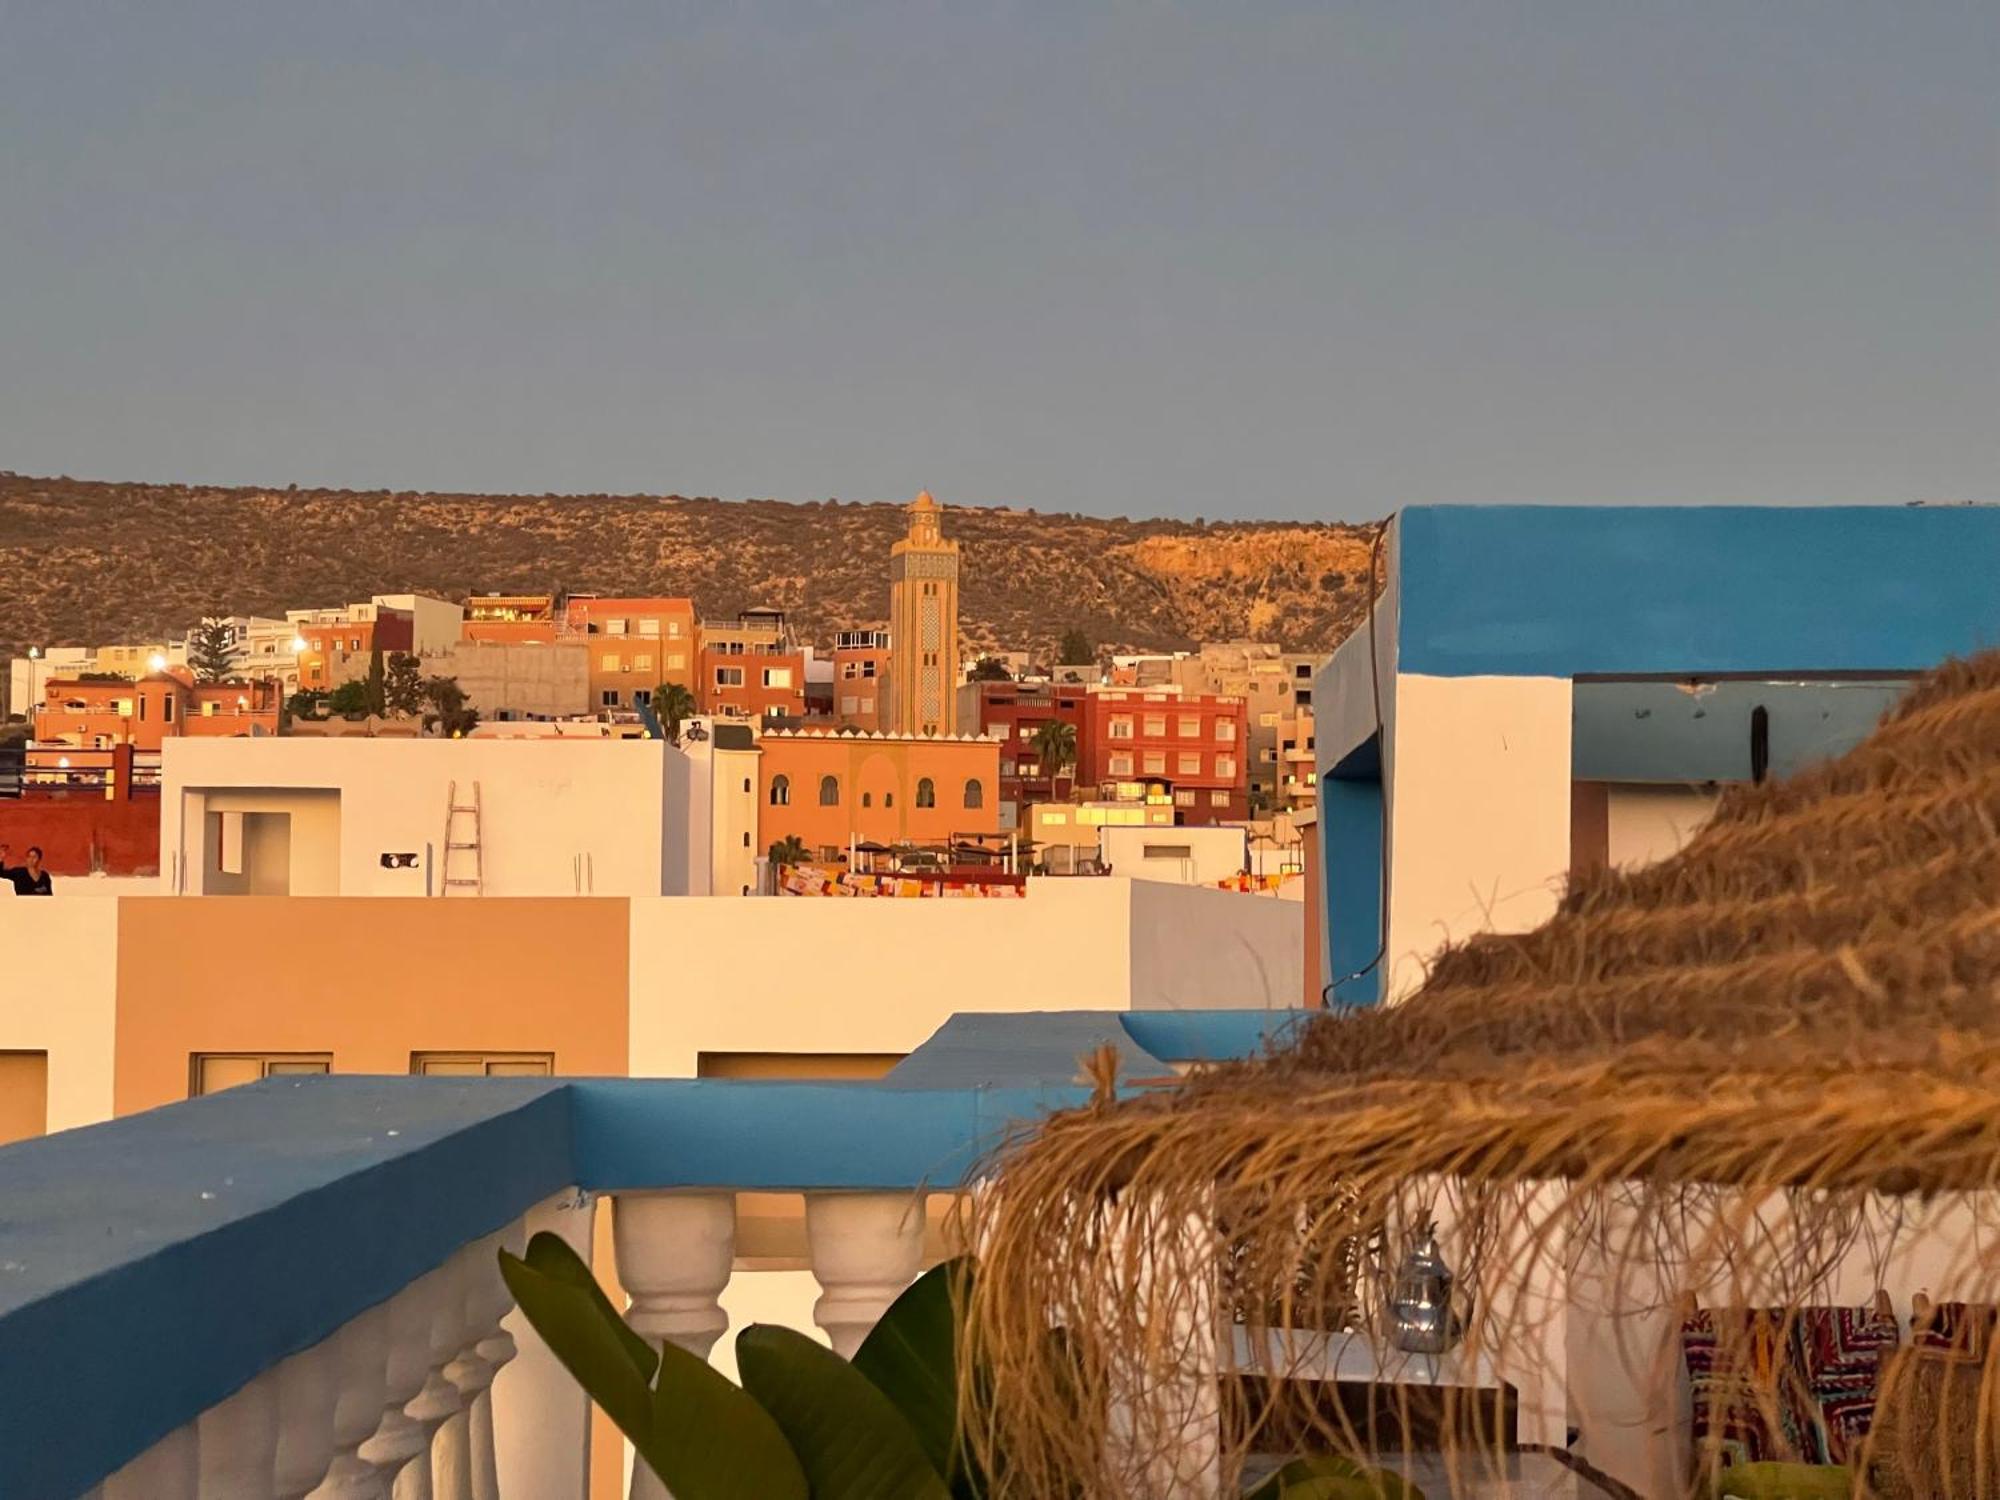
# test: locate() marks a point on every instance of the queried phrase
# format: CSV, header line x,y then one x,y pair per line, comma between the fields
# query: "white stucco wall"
x,y
557,815
60,997
1198,949
1477,773
1214,854
1645,824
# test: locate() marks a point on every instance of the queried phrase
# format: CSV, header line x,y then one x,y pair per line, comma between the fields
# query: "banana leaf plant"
x,y
806,1424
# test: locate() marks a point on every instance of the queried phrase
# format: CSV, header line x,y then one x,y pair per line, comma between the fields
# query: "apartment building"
x,y
1272,682
1189,746
145,714
1298,769
861,663
337,645
751,668
1014,713
260,648
634,645
512,617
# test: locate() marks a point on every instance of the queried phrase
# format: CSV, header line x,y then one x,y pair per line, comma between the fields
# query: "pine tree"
x,y
212,649
403,687
376,685
1076,648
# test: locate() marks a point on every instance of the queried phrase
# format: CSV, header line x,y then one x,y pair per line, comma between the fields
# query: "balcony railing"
x,y
293,1284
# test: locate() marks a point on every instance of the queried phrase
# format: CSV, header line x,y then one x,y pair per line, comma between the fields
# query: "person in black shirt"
x,y
29,878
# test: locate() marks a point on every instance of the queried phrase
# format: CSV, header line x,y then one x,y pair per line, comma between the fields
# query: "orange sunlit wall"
x,y
510,617
861,679
827,788
337,653
98,715
635,645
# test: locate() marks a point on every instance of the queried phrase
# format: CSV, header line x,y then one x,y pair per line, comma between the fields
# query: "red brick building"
x,y
1138,742
1015,712
752,668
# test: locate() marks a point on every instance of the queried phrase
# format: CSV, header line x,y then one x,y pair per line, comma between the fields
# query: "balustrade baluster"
x,y
360,1353
490,1303
238,1443
865,1248
400,1448
675,1252
307,1391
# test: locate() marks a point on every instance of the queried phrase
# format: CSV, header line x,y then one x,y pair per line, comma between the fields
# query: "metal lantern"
x,y
1421,1301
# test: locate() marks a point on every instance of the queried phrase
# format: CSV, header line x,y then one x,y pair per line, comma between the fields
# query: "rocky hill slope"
x,y
88,563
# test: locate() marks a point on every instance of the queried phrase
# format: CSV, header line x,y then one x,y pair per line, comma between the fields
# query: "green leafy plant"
x,y
789,850
807,1424
1055,748
403,685
804,1425
349,699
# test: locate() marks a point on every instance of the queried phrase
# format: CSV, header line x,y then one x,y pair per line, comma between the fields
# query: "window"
x,y
483,1064
1027,731
610,662
1006,768
868,669
1218,799
848,703
1156,763
746,783
1120,727
729,677
1156,724
781,791
642,662
1190,726
777,677
975,794
674,629
1184,798
677,661
926,792
649,627
1121,765
1225,767
209,708
746,839
1189,765
608,698
167,708
849,670
829,791
867,799
1166,851
888,799
1225,731
212,1072
614,627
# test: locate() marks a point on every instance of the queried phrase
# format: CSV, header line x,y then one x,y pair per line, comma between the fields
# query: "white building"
x,y
1179,855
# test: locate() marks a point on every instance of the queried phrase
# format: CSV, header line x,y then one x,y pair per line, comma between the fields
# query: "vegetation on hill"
x,y
87,563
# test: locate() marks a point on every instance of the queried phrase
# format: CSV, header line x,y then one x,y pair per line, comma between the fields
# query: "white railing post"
x,y
361,1357
169,1470
238,1443
401,1447
865,1248
306,1395
487,1349
675,1252
438,1406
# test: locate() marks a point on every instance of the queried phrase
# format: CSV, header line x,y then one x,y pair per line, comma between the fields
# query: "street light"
x,y
156,663
298,644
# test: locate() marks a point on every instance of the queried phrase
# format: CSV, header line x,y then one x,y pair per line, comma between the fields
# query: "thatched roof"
x,y
1805,1001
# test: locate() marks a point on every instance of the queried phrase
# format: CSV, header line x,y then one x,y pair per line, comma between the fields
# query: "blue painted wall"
x,y
1559,591
1350,830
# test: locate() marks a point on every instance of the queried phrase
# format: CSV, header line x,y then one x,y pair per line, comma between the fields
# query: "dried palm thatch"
x,y
1765,1073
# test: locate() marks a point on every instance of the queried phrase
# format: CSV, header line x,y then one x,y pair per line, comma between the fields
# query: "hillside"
x,y
88,563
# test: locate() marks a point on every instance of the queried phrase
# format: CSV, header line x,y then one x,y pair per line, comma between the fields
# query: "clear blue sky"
x,y
1248,260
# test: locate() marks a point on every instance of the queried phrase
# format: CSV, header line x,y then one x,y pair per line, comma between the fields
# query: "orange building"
x,y
635,645
511,617
827,788
339,647
752,668
98,715
861,679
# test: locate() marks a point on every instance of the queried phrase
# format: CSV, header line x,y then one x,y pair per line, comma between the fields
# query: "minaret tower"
x,y
923,620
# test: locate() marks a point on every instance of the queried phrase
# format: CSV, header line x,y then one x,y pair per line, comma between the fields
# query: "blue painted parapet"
x,y
153,1266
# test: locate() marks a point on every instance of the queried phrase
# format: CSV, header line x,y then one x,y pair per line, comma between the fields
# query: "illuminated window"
x,y
1190,726
1225,766
1190,765
609,661
642,663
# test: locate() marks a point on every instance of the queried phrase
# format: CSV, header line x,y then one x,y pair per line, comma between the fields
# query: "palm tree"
x,y
674,704
1055,748
789,850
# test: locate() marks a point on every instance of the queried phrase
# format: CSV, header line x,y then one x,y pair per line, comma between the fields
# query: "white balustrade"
x,y
169,1470
360,1352
438,1407
464,1465
865,1248
307,1390
238,1443
400,1448
674,1252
